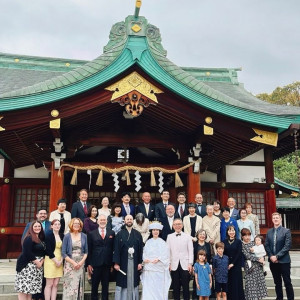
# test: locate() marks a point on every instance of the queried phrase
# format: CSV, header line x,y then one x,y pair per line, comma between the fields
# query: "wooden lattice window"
x,y
28,200
209,196
256,198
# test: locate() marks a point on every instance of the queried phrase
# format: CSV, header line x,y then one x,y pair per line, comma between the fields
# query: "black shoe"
x,y
265,273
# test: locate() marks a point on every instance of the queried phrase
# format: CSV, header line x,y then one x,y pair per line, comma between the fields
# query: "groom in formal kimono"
x,y
128,257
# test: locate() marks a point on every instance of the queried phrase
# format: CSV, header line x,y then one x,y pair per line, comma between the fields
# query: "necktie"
x,y
181,211
62,223
127,210
274,241
178,234
102,234
85,209
147,209
165,205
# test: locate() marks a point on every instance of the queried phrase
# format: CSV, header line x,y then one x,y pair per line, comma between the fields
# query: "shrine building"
x,y
132,120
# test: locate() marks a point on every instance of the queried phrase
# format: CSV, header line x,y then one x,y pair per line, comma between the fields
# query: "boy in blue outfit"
x,y
220,264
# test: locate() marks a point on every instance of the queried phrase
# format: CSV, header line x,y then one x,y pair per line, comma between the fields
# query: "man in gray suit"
x,y
278,244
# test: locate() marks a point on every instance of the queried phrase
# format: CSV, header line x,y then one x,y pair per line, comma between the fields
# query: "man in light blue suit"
x,y
234,213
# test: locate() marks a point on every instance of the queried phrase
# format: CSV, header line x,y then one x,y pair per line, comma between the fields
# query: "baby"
x,y
258,249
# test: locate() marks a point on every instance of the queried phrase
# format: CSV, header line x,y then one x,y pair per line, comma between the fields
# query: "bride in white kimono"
x,y
156,279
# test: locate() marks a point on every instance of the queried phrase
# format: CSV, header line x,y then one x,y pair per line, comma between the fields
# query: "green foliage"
x,y
286,169
289,94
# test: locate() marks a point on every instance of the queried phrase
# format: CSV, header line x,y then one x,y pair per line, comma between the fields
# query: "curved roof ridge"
x,y
186,78
111,51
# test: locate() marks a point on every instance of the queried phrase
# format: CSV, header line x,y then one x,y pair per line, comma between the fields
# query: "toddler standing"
x,y
202,276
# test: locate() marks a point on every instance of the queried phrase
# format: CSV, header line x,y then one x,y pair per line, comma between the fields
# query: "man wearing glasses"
x,y
181,260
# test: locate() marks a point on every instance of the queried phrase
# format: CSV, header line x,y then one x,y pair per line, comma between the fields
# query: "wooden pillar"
x,y
56,188
270,205
194,184
223,197
5,195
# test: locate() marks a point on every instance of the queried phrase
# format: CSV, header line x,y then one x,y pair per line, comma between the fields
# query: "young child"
x,y
202,276
220,264
258,250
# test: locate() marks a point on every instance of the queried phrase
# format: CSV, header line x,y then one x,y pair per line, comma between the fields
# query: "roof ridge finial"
x,y
138,4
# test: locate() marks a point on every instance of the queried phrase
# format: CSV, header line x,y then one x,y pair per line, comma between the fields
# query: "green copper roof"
x,y
286,185
218,91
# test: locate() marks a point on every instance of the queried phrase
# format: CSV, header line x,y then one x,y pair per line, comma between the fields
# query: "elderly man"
x,y
234,213
278,243
201,208
146,208
160,208
181,258
128,258
80,208
99,260
62,215
167,222
127,208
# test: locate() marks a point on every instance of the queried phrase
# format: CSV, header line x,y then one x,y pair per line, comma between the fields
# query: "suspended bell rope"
x,y
102,169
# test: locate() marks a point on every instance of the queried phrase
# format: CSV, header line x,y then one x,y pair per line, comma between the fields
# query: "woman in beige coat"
x,y
211,225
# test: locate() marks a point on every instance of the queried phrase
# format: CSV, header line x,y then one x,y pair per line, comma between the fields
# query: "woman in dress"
x,y
211,224
74,251
29,267
90,222
201,245
252,217
233,249
53,267
156,279
217,209
115,221
141,224
104,210
192,222
244,222
227,221
255,284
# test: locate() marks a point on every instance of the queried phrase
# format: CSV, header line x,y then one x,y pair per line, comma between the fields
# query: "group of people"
x,y
161,245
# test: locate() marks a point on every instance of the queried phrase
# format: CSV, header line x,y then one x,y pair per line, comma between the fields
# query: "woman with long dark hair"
x,y
90,222
233,249
29,267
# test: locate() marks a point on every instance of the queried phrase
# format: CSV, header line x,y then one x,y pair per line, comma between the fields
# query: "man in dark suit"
x,y
160,208
181,208
99,260
146,208
127,208
42,217
234,213
278,243
167,222
80,208
201,208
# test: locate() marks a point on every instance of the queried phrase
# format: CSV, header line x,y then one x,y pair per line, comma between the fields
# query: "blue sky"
x,y
261,36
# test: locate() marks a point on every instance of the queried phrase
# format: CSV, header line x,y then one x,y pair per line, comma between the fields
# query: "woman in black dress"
x,y
29,267
233,249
